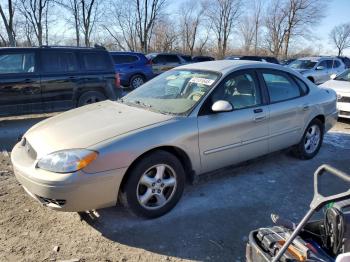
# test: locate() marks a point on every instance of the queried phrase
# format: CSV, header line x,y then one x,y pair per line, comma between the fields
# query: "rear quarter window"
x,y
96,61
124,59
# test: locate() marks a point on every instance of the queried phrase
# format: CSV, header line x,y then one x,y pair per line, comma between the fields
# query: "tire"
x,y
91,97
311,142
136,81
155,185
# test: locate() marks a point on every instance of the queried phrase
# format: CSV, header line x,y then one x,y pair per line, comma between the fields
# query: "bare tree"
x,y
257,16
89,12
164,36
300,15
340,36
121,25
148,11
247,31
73,7
9,21
190,18
275,27
34,13
223,15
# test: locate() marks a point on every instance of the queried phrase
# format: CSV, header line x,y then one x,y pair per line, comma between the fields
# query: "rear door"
x,y
230,137
19,82
286,104
126,65
59,78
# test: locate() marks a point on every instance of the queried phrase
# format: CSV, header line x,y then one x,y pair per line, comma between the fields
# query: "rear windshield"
x,y
96,61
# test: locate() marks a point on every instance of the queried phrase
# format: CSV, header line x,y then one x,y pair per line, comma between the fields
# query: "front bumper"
x,y
344,109
74,192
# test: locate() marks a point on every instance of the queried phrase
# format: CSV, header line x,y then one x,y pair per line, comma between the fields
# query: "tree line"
x,y
215,27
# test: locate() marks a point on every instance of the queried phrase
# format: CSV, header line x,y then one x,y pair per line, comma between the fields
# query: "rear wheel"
x,y
311,142
155,185
91,97
136,81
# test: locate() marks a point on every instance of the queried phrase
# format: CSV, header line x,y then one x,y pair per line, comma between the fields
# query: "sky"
x,y
338,13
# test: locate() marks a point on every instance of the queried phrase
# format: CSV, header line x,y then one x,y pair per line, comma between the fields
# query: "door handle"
x,y
258,110
306,107
259,118
28,80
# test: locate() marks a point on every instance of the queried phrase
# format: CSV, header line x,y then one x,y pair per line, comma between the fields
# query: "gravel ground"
x,y
210,223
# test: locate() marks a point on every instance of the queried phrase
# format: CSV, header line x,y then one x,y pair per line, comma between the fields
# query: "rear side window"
x,y
330,63
280,87
336,64
58,62
302,85
96,61
172,59
11,63
124,59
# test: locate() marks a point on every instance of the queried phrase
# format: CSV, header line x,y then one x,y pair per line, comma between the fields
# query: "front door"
x,y
230,137
20,90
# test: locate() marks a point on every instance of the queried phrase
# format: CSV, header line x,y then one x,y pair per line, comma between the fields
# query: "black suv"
x,y
48,79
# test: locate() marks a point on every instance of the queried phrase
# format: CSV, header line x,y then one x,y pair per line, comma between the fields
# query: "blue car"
x,y
133,68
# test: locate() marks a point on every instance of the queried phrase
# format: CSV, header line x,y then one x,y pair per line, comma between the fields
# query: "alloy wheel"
x,y
312,139
156,186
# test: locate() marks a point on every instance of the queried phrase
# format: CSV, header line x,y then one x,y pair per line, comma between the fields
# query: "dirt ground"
x,y
210,223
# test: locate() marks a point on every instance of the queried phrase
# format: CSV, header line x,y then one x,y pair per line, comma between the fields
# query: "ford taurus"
x,y
191,120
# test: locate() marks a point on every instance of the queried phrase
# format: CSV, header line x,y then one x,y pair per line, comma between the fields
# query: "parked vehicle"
x,y
47,79
133,68
318,69
286,62
345,60
341,85
188,121
187,58
162,62
268,59
197,59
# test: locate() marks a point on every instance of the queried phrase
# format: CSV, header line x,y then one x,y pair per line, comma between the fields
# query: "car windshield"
x,y
173,92
302,64
345,76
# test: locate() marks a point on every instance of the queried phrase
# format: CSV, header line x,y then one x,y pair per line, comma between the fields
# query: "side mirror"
x,y
221,106
333,76
320,68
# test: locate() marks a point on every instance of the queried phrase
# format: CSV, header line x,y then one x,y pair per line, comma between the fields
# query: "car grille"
x,y
344,113
29,149
344,99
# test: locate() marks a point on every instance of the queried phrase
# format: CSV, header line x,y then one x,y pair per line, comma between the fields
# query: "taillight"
x,y
117,80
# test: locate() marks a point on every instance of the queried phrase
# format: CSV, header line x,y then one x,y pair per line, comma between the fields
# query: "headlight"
x,y
67,161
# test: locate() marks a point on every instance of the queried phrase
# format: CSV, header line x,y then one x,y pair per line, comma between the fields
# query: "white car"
x,y
341,85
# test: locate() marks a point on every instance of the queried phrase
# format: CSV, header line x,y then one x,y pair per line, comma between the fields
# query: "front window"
x,y
173,92
302,64
345,76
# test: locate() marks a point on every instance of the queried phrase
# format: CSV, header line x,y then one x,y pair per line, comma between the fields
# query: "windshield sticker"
x,y
203,81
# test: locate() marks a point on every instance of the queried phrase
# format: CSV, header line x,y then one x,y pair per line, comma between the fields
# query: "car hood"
x,y
89,125
338,86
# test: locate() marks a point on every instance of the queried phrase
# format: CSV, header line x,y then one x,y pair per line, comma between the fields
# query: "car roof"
x,y
125,53
227,66
53,48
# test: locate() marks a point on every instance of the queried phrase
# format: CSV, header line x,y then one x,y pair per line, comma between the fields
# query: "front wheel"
x,y
311,142
155,185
